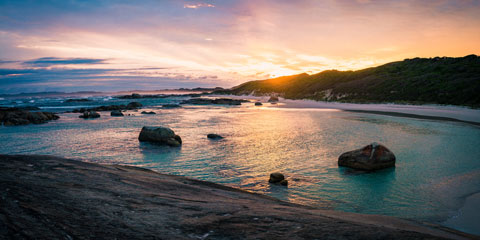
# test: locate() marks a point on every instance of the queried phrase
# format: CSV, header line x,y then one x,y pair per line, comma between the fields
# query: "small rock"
x,y
134,105
276,177
214,136
258,104
89,114
144,112
284,182
116,113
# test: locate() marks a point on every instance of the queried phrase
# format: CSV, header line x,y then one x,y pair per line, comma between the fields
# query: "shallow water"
x,y
437,162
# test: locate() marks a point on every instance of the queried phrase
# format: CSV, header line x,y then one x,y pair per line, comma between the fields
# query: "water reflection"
x,y
302,144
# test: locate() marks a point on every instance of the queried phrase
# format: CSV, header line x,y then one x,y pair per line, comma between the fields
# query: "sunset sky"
x,y
110,45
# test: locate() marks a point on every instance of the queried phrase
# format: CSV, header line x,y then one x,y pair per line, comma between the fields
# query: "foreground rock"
x,y
130,106
89,114
45,197
17,116
371,157
220,101
214,136
161,135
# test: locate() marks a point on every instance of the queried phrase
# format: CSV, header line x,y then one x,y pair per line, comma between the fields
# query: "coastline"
x,y
52,197
429,112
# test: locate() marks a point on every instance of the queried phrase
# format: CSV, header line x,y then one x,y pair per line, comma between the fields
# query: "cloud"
x,y
198,5
50,61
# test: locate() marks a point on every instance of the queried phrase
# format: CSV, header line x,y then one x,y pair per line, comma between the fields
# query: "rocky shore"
x,y
19,116
46,197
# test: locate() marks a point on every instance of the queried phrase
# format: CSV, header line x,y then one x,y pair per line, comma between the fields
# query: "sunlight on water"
x,y
304,144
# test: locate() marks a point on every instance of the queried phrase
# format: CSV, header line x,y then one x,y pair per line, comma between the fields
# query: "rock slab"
x,y
46,197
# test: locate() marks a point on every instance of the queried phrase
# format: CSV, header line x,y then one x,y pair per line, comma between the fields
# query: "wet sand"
x,y
468,217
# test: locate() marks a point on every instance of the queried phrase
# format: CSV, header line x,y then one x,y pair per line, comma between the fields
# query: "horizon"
x,y
112,46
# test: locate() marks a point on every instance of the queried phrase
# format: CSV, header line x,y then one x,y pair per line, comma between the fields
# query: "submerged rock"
x,y
89,114
171,106
16,116
371,157
273,99
78,100
145,112
161,135
258,104
214,136
116,113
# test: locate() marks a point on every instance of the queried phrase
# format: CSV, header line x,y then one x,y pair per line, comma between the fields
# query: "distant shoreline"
x,y
408,115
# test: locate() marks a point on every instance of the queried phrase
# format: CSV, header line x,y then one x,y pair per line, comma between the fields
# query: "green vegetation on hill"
x,y
440,80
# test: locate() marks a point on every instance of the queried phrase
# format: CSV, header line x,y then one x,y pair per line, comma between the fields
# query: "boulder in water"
x,y
145,112
134,105
276,177
214,136
116,113
371,157
161,135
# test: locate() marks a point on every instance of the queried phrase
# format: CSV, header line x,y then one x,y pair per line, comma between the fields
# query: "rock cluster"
x,y
130,106
16,116
369,158
161,135
89,114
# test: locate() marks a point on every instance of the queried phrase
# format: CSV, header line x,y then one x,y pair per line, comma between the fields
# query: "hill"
x,y
439,80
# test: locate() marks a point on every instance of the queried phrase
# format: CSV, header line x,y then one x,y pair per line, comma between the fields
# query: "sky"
x,y
113,45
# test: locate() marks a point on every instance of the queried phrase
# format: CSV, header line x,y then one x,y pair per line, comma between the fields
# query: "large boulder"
x,y
278,178
371,157
161,135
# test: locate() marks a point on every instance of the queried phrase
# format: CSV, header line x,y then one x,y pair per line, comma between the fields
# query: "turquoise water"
x,y
437,166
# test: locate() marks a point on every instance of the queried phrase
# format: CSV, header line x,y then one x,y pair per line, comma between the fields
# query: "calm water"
x,y
438,163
